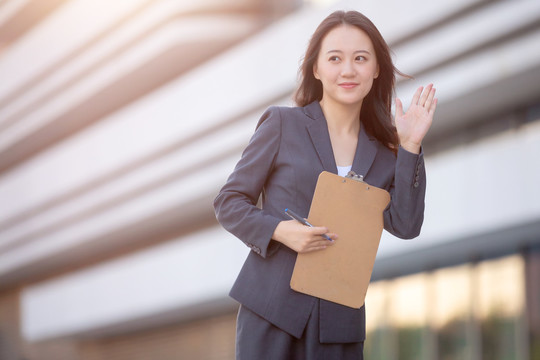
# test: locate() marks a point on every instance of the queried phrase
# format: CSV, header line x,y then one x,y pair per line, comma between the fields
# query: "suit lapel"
x,y
318,131
366,149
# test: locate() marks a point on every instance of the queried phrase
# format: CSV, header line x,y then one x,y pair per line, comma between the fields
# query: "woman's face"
x,y
346,65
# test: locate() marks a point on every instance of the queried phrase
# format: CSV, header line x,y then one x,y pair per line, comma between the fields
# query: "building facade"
x,y
119,122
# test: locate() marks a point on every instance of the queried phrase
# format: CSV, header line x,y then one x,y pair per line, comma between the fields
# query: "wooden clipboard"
x,y
352,209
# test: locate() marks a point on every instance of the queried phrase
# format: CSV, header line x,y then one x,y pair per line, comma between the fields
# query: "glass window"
x,y
380,339
451,313
473,311
408,312
501,301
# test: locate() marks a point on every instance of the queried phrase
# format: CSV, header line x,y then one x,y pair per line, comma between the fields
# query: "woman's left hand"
x,y
413,125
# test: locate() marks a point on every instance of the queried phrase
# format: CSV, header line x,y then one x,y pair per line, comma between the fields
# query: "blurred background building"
x,y
120,120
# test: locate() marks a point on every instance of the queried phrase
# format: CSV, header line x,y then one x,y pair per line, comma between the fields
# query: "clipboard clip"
x,y
354,176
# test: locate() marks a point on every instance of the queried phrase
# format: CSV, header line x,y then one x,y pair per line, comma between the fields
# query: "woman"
x,y
342,122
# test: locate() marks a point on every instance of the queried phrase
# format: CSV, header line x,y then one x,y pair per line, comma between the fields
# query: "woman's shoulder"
x,y
278,113
311,111
286,110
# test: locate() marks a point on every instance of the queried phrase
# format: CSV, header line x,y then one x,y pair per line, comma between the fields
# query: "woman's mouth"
x,y
348,85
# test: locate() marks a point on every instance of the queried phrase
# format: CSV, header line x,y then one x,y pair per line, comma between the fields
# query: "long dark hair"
x,y
376,108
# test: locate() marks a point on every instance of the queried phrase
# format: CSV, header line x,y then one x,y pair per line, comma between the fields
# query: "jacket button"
x,y
257,250
416,184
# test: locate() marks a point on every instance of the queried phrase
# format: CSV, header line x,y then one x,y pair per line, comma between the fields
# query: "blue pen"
x,y
300,219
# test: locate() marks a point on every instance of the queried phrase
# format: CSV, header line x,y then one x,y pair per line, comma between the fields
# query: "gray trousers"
x,y
257,339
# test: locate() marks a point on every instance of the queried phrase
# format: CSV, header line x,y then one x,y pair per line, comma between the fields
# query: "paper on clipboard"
x,y
354,210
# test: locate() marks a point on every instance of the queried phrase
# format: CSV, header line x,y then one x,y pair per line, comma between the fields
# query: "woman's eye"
x,y
333,58
361,58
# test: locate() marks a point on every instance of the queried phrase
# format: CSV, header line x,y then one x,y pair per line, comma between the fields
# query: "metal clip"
x,y
354,176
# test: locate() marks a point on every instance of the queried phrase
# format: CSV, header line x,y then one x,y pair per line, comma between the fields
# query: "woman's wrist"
x,y
411,147
278,232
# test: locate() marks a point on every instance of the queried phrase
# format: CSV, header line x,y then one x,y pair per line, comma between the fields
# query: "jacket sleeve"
x,y
405,214
236,204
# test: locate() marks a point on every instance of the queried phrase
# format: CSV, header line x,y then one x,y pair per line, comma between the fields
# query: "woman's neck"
x,y
343,127
341,119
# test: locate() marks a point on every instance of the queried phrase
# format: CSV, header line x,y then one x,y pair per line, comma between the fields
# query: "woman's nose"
x,y
347,69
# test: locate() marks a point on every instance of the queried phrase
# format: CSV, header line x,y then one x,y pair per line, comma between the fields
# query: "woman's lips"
x,y
348,85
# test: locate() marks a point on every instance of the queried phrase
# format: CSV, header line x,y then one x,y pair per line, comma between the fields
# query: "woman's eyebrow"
x,y
341,51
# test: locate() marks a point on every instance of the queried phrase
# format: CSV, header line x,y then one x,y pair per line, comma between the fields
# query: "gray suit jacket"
x,y
283,160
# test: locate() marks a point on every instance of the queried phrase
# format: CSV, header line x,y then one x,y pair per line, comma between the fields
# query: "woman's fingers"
x,y
430,97
425,95
316,240
302,238
399,108
318,245
433,106
319,231
416,96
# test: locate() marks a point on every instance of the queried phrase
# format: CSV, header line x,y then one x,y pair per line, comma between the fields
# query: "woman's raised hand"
x,y
414,124
302,238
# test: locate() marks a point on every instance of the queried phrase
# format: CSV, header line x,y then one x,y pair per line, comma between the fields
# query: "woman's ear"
x,y
376,72
315,74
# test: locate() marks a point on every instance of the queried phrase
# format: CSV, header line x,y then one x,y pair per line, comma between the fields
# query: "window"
x,y
473,311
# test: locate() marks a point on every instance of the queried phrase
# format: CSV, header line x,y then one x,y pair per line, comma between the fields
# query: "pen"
x,y
300,219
